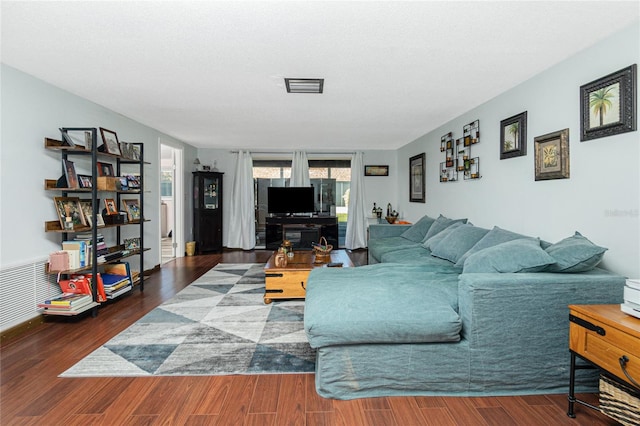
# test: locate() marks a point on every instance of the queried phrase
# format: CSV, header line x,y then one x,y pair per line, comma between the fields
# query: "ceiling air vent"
x,y
304,85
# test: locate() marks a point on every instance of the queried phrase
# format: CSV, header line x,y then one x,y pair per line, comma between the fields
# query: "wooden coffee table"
x,y
290,282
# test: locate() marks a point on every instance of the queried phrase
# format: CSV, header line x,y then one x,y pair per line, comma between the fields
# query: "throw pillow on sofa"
x,y
419,229
575,254
439,225
523,255
428,244
492,238
457,242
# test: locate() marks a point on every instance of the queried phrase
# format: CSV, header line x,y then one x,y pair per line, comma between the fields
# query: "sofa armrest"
x,y
384,230
523,319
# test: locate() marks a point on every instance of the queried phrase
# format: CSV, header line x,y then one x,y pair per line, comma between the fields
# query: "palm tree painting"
x,y
604,106
511,137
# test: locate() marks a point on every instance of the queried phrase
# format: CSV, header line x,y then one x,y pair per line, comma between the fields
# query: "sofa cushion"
x,y
429,243
421,256
380,246
574,254
383,303
419,229
522,255
494,237
439,225
457,242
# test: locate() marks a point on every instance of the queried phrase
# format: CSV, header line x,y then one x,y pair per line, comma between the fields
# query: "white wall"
x,y
602,197
32,110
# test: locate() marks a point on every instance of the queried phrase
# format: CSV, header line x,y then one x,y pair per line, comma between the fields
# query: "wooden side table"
x,y
608,339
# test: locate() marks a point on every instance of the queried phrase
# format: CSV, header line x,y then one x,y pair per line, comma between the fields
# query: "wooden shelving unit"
x,y
94,153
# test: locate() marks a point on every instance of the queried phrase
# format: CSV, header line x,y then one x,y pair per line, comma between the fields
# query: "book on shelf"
x,y
67,312
79,250
67,301
116,276
102,297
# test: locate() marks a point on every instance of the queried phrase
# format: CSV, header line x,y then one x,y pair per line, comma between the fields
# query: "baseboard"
x,y
21,328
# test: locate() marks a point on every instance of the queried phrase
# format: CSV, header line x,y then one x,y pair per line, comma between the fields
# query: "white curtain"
x,y
357,219
242,226
300,169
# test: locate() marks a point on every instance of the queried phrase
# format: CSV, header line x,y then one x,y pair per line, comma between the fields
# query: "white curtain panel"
x,y
300,169
242,225
357,219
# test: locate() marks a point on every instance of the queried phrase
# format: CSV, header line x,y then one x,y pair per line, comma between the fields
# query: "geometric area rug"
x,y
218,325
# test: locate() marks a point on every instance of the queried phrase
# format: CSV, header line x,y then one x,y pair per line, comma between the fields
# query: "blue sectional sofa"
x,y
446,308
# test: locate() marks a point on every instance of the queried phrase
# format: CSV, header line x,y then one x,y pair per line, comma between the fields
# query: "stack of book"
x,y
116,279
101,246
631,303
67,304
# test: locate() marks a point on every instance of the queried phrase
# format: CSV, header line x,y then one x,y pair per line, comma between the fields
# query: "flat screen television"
x,y
290,200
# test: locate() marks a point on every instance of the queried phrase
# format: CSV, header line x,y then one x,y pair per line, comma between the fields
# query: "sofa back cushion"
x,y
439,225
522,255
494,237
574,254
432,241
457,242
419,229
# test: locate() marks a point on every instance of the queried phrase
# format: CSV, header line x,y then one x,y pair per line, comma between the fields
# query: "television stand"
x,y
301,231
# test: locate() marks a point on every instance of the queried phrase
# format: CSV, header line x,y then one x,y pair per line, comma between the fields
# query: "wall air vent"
x,y
304,85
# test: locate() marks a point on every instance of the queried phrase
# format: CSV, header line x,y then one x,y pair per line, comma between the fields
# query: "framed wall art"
x,y
376,170
513,136
110,141
608,105
552,155
417,188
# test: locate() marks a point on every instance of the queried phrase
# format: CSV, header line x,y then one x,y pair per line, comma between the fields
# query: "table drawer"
x,y
290,284
602,345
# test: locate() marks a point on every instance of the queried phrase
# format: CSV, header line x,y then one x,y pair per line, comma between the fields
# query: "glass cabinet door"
x,y
210,196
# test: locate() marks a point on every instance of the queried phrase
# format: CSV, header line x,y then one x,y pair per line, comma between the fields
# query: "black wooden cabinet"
x,y
207,211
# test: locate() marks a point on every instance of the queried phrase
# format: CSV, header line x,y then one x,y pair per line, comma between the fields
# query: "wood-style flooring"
x,y
32,393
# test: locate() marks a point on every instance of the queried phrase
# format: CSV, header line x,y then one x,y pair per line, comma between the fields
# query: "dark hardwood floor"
x,y
32,393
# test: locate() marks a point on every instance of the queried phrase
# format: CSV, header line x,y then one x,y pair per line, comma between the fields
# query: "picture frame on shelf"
x,y
105,169
85,181
133,181
122,184
552,155
513,136
110,141
132,243
70,174
376,170
87,211
69,207
608,105
77,138
136,152
417,188
125,149
110,206
132,207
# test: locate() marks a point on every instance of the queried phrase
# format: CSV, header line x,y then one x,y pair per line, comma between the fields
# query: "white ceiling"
x,y
211,73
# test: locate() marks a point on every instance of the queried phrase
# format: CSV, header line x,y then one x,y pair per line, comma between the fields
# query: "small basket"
x,y
322,250
620,402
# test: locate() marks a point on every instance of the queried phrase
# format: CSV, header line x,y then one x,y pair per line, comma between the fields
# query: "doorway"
x,y
171,209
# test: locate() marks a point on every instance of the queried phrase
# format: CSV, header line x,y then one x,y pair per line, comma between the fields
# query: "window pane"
x,y
318,173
